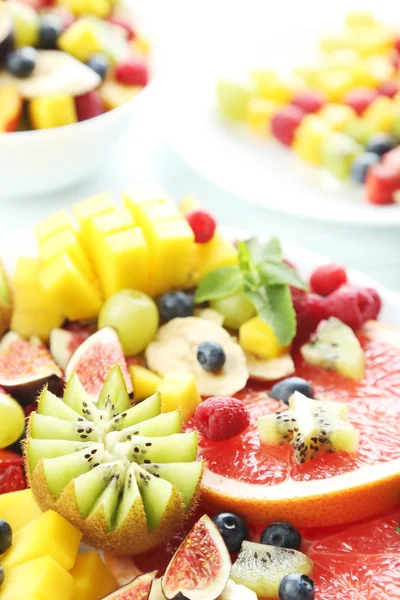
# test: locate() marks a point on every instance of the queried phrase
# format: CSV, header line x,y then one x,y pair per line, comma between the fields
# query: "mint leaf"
x,y
260,252
280,274
284,317
220,283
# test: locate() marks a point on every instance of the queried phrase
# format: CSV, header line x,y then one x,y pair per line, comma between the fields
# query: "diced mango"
x,y
156,211
66,241
56,110
19,509
93,578
42,578
335,83
76,297
179,391
337,116
101,225
114,94
49,534
272,87
82,39
219,252
85,210
366,41
381,113
309,137
145,382
53,224
257,337
259,114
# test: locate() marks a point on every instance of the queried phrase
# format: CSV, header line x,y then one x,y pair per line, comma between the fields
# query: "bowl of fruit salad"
x,y
211,419
71,79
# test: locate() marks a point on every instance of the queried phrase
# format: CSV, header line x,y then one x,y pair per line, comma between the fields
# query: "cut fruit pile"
x,y
341,113
66,61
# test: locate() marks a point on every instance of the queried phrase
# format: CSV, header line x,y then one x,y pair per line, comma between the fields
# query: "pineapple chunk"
x,y
19,508
66,241
145,382
75,295
53,224
50,534
179,391
219,252
41,579
85,210
55,110
257,337
93,579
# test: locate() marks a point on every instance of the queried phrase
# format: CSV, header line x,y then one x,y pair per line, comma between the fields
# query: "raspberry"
x,y
285,122
352,305
310,310
132,71
326,279
203,225
310,101
221,418
121,23
12,479
376,307
89,105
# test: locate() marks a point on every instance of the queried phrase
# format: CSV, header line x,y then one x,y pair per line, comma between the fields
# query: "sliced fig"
x,y
63,344
5,301
201,566
26,366
138,589
94,359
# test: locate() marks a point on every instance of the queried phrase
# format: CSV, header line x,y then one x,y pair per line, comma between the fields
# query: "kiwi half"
x,y
124,475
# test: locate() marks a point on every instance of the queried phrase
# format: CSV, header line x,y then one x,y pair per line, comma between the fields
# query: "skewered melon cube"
x,y
93,578
257,337
179,391
309,137
53,224
259,114
145,382
233,97
338,152
219,252
19,509
66,241
55,110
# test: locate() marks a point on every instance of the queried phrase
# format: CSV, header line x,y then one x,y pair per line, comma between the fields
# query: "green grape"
x,y
235,309
12,420
134,316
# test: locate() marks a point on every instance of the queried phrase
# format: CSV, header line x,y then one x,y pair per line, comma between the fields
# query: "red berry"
x,y
352,305
310,311
7,458
125,25
395,60
221,418
132,71
361,98
389,88
326,279
309,101
285,122
203,225
12,479
89,105
392,158
397,44
382,181
374,303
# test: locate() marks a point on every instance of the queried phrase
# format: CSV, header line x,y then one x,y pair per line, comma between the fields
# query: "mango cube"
x,y
257,337
19,508
143,194
76,297
93,578
99,8
85,210
337,116
50,534
114,94
179,391
104,224
53,224
259,114
65,241
51,111
219,252
271,87
309,137
145,382
381,113
41,579
82,39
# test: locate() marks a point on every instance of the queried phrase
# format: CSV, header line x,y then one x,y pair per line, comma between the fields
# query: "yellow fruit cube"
x,y
360,19
309,137
99,8
123,262
271,87
179,391
116,94
19,509
113,221
259,114
53,224
188,204
42,578
145,382
76,297
257,337
219,252
56,110
156,211
381,113
66,241
337,116
85,210
93,578
82,39
141,45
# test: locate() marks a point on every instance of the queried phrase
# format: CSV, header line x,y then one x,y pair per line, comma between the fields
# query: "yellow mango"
x,y
115,94
337,116
55,110
85,210
271,87
93,578
76,297
42,578
156,211
19,509
145,382
360,19
53,224
179,391
66,241
82,39
143,194
257,337
49,534
259,114
309,137
219,252
113,221
381,113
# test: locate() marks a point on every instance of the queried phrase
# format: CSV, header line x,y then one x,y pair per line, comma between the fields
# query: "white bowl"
x,y
44,161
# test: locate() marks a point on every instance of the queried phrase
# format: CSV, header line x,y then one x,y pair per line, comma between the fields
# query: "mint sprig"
x,y
398,528
265,279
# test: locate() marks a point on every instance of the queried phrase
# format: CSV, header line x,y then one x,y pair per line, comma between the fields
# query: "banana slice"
x,y
55,73
175,347
262,369
210,315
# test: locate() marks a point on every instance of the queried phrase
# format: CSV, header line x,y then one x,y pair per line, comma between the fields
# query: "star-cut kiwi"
x,y
124,475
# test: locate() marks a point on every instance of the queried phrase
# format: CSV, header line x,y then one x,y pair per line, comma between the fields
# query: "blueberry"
x,y
211,356
285,388
361,164
1,575
296,587
99,63
21,62
283,535
233,529
380,143
49,31
175,304
5,536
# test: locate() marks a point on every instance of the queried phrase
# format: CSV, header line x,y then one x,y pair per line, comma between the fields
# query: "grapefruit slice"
x,y
264,484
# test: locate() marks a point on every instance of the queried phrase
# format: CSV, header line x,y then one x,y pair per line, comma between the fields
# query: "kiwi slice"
x,y
335,347
124,475
311,427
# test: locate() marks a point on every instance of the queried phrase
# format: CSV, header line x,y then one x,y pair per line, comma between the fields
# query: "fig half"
x,y
138,589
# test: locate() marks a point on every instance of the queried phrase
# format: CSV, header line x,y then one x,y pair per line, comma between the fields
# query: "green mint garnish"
x,y
398,528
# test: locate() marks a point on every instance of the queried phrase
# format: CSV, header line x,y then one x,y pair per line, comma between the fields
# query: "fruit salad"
x,y
189,416
65,61
340,114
